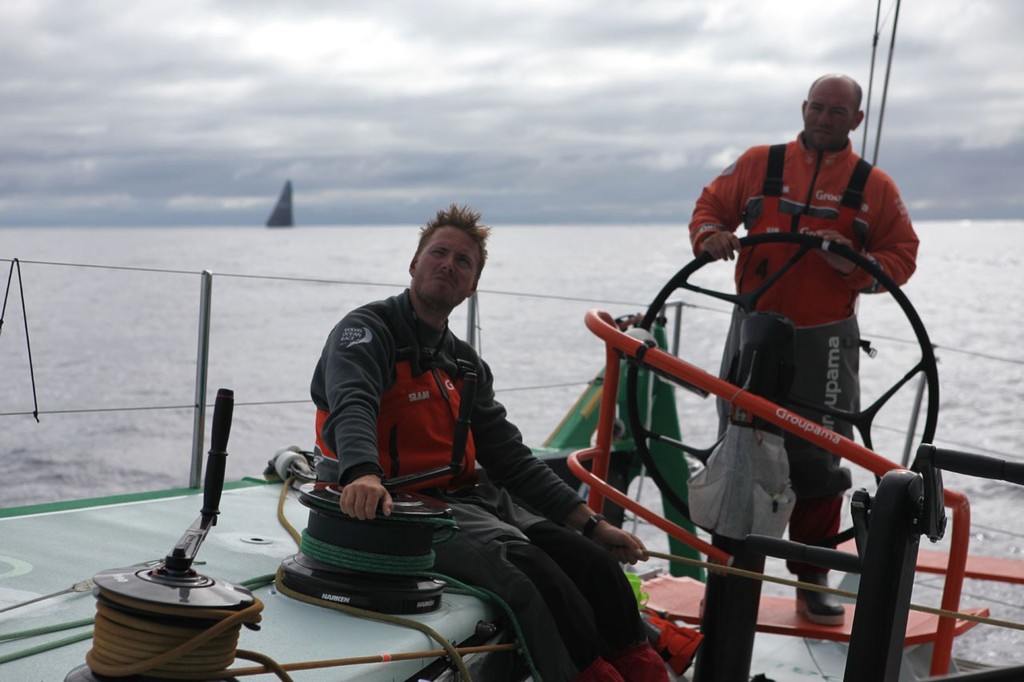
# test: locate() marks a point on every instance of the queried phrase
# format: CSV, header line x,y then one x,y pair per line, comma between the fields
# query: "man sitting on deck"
x,y
387,388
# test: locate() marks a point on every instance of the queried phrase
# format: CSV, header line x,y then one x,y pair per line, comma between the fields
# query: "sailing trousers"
x,y
586,591
813,519
569,596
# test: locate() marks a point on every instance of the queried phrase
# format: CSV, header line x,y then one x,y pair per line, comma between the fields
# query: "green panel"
x,y
577,427
671,462
576,431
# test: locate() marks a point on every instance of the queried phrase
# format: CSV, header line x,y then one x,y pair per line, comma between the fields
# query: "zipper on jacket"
x,y
795,221
444,392
440,385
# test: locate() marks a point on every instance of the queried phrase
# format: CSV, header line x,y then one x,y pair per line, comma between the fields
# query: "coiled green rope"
x,y
360,560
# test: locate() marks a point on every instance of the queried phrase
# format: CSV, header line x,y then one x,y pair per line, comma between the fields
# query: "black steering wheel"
x,y
747,302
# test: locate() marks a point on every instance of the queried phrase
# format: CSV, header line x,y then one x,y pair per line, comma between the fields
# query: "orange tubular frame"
x,y
618,344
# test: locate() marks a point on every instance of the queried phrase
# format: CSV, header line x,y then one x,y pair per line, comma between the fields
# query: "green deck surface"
x,y
48,548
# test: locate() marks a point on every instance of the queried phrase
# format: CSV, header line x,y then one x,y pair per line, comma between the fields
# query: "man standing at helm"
x,y
817,185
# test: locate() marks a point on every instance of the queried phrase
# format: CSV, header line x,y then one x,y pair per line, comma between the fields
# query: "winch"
x,y
363,563
378,564
157,622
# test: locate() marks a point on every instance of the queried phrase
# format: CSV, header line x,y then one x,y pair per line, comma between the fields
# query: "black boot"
x,y
818,607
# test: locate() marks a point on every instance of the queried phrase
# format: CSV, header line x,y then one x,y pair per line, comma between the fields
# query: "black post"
x,y
763,366
887,580
729,622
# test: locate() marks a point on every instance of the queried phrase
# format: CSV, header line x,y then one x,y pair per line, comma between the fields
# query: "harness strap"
x,y
853,198
854,195
773,179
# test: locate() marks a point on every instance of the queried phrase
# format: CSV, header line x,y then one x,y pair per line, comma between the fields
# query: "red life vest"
x,y
415,428
812,292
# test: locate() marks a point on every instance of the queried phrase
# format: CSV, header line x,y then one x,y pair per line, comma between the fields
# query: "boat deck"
x,y
48,548
681,598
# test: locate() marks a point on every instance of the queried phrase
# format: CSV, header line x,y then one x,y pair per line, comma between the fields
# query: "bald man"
x,y
800,187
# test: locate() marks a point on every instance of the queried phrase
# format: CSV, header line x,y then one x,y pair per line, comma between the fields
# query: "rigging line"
x,y
967,447
310,280
586,299
975,354
251,403
143,408
88,410
320,280
16,264
871,77
542,387
173,271
7,292
107,267
885,87
948,349
554,297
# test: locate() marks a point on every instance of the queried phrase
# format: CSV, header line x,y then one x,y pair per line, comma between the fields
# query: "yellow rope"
x,y
126,643
285,487
377,658
754,575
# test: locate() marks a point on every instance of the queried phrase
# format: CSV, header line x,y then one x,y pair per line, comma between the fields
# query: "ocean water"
x,y
112,321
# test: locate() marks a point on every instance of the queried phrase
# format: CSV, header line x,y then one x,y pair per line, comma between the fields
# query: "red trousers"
x,y
813,519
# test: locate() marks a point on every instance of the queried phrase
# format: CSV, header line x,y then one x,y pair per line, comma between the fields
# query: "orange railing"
x,y
618,343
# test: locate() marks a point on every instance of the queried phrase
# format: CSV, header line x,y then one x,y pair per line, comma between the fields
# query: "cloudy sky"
x,y
194,112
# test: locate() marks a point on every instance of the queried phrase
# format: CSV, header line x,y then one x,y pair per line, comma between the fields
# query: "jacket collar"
x,y
811,156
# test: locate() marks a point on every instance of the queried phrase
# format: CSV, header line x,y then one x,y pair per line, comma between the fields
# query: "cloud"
x,y
121,112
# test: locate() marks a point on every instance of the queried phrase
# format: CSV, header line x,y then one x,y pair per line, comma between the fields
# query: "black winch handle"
x,y
462,423
216,460
178,563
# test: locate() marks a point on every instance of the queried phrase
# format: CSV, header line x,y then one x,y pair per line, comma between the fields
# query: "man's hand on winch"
x,y
361,497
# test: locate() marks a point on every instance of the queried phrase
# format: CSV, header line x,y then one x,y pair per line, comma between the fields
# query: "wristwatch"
x,y
591,524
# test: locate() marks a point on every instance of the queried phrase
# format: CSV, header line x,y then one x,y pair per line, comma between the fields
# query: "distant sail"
x,y
282,213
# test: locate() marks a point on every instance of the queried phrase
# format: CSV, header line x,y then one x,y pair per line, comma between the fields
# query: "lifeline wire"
x,y
15,263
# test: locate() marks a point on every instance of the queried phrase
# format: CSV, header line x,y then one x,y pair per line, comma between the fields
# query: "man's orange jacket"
x,y
813,183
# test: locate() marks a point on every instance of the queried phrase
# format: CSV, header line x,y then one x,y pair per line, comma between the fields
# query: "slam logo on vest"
x,y
417,396
350,336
